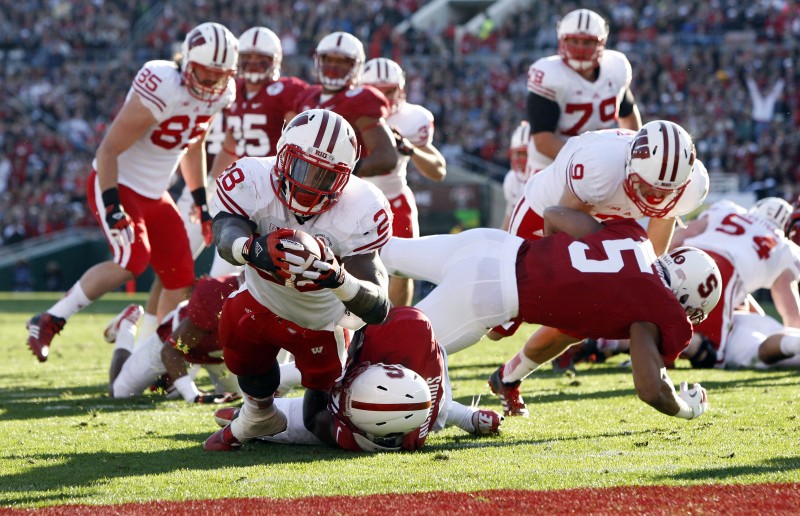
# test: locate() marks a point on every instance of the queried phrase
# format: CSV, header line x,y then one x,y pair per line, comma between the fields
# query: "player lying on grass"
x,y
587,279
189,334
395,391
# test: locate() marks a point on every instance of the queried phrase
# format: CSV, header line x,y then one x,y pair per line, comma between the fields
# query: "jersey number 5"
x,y
643,251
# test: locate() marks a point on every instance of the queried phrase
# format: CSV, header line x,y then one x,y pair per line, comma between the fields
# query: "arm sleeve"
x,y
626,106
543,114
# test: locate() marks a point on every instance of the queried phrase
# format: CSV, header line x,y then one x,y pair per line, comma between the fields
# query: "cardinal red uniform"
x,y
352,104
405,338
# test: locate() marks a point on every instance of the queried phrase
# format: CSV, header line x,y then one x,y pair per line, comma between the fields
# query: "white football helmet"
x,y
694,278
387,76
256,44
657,168
316,154
385,400
773,210
211,51
518,149
577,31
339,44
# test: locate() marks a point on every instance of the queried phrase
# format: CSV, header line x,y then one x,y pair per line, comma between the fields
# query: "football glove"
x,y
200,214
404,146
120,225
696,398
325,273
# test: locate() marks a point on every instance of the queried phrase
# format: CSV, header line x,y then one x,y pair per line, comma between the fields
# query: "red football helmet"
x,y
657,168
316,154
209,56
582,36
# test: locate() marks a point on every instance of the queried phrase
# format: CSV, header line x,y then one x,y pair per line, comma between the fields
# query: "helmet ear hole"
x,y
694,280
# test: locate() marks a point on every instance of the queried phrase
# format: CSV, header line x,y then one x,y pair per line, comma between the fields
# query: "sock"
x,y
253,418
147,326
125,336
460,416
518,368
73,302
790,344
187,388
290,378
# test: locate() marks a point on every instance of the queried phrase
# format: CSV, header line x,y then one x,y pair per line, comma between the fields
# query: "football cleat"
x,y
132,313
509,395
222,440
225,416
41,330
486,422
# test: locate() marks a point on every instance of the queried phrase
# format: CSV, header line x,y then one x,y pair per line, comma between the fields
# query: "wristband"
x,y
187,388
199,196
684,411
111,196
347,290
237,249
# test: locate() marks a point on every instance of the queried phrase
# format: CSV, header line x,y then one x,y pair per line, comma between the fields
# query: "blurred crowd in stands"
x,y
726,70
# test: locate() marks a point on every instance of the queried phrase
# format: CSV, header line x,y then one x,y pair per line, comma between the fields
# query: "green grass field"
x,y
65,441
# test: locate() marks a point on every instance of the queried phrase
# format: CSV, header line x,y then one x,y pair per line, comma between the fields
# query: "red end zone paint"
x,y
705,499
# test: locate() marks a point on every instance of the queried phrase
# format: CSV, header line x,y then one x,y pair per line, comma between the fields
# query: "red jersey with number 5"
x,y
147,166
361,101
599,285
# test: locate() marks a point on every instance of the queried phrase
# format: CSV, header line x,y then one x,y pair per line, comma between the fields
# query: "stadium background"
x,y
66,66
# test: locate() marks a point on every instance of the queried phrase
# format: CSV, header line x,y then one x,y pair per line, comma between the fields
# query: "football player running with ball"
x,y
394,393
289,301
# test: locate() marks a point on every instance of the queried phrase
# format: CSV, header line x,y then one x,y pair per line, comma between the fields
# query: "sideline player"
x,y
517,176
412,126
161,125
584,88
288,301
338,64
569,283
368,409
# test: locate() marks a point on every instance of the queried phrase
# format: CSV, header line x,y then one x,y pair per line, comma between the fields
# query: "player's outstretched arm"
x,y
575,223
653,384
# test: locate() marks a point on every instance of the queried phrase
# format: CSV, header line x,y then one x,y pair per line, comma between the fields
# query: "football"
x,y
303,245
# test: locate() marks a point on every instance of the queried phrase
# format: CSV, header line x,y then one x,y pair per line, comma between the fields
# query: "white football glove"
x,y
696,398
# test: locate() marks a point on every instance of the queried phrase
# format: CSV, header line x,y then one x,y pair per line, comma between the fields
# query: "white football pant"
x,y
475,271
